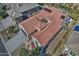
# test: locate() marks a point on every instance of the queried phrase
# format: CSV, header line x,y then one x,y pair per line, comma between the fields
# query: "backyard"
x,y
9,32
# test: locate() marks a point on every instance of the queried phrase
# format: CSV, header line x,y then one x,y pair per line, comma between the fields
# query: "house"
x,y
44,26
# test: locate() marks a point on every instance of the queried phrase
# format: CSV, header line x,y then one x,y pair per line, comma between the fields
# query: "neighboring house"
x,y
5,23
22,12
28,11
43,26
14,43
73,42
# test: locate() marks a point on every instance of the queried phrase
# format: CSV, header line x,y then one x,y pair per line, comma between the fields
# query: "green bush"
x,y
36,51
3,13
24,52
12,29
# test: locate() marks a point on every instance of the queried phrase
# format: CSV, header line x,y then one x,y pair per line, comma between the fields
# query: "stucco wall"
x,y
35,40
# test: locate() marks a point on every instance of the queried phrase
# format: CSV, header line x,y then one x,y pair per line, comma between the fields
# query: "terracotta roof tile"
x,y
49,29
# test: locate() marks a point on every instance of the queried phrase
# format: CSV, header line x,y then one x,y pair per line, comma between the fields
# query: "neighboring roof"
x,y
7,22
19,9
73,42
15,42
25,7
44,31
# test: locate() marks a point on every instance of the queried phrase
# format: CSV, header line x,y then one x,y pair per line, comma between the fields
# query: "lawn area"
x,y
75,14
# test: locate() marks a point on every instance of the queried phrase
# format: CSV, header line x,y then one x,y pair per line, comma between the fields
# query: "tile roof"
x,y
44,31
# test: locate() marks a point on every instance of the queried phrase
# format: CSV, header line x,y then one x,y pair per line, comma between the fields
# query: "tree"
x,y
3,12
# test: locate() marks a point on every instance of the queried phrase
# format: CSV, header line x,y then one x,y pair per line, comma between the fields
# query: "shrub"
x,y
3,12
24,52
